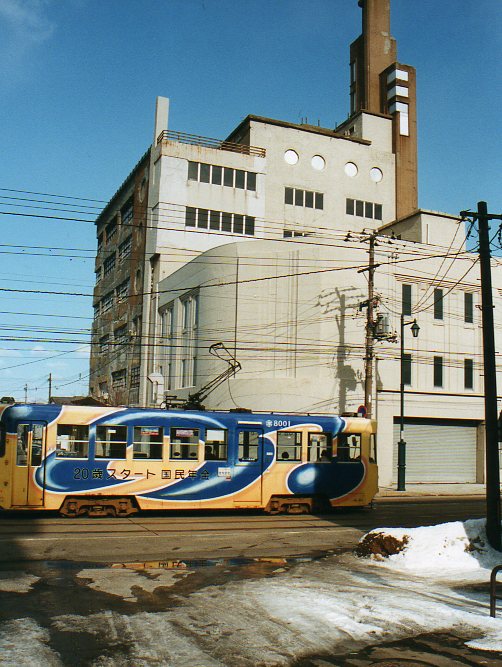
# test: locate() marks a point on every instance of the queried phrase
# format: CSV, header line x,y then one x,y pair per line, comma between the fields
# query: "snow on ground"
x,y
333,606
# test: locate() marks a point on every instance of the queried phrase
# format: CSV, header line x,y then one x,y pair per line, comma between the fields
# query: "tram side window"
x,y
216,447
320,447
22,444
72,441
37,443
111,442
289,446
349,447
373,448
248,446
147,442
184,443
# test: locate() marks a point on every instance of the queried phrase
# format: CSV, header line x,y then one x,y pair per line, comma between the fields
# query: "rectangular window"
x,y
226,222
111,442
216,175
288,195
320,447
147,442
135,376
238,224
406,361
360,208
121,335
468,307
193,171
125,248
98,275
438,304
309,199
127,212
368,209
122,291
72,441
204,173
214,220
248,446
349,206
109,264
216,445
190,216
23,432
228,177
468,374
184,444
348,448
438,371
378,211
103,344
299,197
111,230
289,446
406,299
107,302
119,379
319,200
240,179
251,181
249,226
202,218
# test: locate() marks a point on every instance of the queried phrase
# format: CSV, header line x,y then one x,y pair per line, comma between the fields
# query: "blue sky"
x,y
79,82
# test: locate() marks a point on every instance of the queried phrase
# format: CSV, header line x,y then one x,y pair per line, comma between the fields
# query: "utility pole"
x,y
491,435
370,326
26,393
50,387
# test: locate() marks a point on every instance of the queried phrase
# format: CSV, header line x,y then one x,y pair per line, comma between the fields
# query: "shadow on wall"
x,y
346,379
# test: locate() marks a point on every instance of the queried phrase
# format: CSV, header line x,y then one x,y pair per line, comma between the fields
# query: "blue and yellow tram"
x,y
116,461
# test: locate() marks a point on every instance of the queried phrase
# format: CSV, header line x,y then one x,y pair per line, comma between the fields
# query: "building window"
x,y
406,299
119,379
468,374
406,369
111,230
220,221
122,290
438,371
438,304
99,274
189,322
100,243
468,307
121,335
127,212
363,209
135,376
107,302
109,264
104,343
304,198
226,176
125,248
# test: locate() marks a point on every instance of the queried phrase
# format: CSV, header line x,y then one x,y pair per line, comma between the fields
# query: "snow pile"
x,y
443,549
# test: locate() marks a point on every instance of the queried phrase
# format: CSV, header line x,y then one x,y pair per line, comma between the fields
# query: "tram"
x,y
99,461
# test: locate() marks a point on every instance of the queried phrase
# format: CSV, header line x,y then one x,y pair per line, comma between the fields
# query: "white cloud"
x,y
25,25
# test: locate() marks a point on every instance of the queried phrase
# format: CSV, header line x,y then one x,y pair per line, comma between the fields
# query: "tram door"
x,y
250,454
30,452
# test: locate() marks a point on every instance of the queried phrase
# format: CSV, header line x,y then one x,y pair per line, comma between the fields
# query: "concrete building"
x,y
261,241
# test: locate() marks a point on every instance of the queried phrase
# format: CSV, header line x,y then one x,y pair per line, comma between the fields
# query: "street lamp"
x,y
401,445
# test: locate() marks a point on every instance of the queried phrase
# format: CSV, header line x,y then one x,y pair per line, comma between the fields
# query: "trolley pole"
x,y
50,387
493,532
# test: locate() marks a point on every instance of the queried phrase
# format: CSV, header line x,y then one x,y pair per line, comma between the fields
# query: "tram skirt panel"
x,y
437,451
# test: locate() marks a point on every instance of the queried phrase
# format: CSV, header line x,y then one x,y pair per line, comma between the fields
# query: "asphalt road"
x,y
222,535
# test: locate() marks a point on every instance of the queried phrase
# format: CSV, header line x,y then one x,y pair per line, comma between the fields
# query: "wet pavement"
x,y
41,592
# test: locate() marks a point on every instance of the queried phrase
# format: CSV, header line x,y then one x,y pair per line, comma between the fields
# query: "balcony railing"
x,y
207,142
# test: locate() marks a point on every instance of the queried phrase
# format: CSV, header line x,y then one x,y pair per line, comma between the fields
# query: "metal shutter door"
x,y
438,452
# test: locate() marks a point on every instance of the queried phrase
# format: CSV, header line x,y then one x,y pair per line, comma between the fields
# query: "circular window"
x,y
350,169
376,175
291,157
318,162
